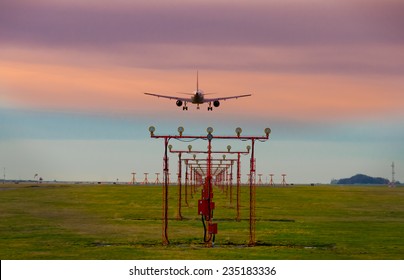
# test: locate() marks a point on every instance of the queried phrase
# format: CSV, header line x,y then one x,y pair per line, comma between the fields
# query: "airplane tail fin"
x,y
197,81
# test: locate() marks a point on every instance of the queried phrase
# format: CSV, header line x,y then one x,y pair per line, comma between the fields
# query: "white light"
x,y
238,131
228,148
189,147
152,129
267,131
170,147
209,130
248,148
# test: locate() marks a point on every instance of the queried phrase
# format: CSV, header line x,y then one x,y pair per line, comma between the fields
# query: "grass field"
x,y
124,222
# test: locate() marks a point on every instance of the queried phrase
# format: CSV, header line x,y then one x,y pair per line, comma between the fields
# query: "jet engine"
x,y
216,103
179,103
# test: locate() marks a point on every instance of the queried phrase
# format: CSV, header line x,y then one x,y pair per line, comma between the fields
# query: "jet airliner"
x,y
197,97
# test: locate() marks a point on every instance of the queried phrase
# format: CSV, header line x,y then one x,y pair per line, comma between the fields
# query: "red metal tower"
x,y
206,205
260,179
157,179
145,181
283,183
271,182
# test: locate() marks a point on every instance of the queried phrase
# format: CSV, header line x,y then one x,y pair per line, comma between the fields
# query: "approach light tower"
x,y
157,182
145,181
283,180
260,179
205,205
271,181
133,178
393,182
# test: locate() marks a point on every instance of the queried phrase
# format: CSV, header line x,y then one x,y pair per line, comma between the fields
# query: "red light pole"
x,y
179,215
186,182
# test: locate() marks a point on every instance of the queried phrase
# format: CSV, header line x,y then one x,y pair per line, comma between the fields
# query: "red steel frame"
x,y
208,184
283,183
238,181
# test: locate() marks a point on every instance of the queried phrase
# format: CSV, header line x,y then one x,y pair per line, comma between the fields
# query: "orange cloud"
x,y
93,81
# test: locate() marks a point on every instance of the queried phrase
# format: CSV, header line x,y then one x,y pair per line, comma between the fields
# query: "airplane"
x,y
197,97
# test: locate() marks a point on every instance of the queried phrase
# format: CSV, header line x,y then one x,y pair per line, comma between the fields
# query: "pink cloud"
x,y
120,90
336,59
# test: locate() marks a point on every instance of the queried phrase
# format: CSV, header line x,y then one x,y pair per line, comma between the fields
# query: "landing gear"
x,y
210,106
185,107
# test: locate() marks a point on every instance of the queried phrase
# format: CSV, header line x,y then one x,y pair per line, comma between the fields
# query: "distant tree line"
x,y
361,179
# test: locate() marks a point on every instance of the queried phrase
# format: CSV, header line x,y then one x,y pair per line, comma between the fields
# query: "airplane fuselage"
x,y
198,97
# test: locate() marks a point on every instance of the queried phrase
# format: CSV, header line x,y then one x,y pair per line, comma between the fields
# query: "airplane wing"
x,y
169,97
225,98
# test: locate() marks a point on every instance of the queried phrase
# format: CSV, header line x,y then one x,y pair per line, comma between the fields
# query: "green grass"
x,y
124,222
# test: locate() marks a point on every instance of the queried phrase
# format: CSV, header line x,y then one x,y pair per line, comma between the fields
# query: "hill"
x,y
363,179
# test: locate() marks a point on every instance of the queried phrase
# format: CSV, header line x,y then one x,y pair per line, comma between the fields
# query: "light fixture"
x,y
170,147
228,148
248,148
152,129
238,131
209,130
189,147
267,131
180,130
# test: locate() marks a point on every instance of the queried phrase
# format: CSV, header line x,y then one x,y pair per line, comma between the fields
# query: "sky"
x,y
325,76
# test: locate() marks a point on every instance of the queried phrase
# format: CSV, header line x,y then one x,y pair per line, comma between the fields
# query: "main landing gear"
x,y
210,106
